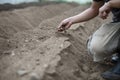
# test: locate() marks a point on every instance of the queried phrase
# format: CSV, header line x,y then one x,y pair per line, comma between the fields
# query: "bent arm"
x,y
114,3
88,14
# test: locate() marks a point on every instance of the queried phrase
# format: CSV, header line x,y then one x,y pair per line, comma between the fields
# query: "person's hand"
x,y
65,24
104,11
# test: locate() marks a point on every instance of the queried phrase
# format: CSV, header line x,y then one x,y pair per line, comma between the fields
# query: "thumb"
x,y
104,13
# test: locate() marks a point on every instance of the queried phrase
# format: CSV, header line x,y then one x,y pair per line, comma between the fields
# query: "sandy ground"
x,y
31,49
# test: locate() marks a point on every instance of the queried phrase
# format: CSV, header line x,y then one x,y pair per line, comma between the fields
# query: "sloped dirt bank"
x,y
17,20
41,53
74,63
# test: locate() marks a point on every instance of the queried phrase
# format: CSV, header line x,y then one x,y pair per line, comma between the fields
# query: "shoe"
x,y
115,58
113,74
110,76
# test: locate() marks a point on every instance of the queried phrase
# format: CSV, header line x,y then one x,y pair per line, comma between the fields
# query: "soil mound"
x,y
41,53
19,20
37,14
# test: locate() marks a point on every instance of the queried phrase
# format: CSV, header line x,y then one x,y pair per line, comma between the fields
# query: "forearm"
x,y
84,16
114,3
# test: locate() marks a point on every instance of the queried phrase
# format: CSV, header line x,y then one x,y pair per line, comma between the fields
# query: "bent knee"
x,y
97,47
99,52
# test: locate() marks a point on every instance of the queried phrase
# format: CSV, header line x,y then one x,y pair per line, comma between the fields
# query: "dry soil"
x,y
32,49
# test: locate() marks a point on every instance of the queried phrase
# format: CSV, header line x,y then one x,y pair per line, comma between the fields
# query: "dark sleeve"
x,y
98,0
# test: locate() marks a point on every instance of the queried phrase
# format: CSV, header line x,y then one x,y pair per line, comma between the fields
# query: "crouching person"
x,y
106,40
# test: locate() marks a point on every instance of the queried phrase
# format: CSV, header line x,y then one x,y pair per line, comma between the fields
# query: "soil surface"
x,y
32,49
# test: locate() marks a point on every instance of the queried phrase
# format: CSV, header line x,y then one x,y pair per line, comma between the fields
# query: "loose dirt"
x,y
31,49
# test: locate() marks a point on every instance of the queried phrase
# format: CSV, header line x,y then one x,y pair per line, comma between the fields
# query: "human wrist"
x,y
71,20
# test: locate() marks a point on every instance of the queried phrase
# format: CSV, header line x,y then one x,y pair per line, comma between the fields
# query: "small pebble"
x,y
22,72
12,53
34,76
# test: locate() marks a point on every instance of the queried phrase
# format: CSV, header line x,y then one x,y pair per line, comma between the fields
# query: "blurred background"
x,y
26,1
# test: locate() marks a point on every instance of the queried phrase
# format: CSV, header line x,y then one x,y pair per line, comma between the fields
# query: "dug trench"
x,y
32,49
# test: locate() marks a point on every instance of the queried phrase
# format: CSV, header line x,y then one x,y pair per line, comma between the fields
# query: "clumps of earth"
x,y
32,49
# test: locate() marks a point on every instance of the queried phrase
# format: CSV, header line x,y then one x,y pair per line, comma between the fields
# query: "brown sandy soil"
x,y
18,20
31,49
